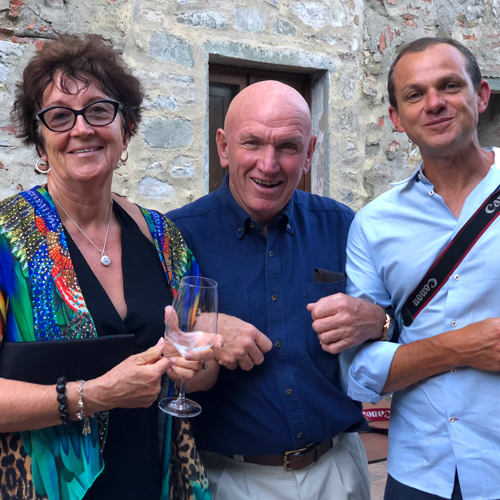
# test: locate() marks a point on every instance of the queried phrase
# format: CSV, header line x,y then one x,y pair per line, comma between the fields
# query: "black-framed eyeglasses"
x,y
97,114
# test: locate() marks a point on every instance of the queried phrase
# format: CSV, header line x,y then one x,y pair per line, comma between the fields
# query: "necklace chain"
x,y
104,258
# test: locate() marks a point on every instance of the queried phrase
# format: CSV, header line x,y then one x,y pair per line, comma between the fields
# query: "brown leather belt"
x,y
290,460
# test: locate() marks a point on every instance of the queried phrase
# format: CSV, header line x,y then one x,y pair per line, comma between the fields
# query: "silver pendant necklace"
x,y
105,260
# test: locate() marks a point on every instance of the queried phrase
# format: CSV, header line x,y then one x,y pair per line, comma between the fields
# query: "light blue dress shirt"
x,y
452,420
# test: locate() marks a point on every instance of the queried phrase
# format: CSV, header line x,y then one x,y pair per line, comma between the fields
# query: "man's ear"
x,y
310,151
393,113
222,148
483,96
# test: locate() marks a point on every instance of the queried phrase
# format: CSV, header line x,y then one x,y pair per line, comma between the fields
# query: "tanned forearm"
x,y
476,345
26,406
417,361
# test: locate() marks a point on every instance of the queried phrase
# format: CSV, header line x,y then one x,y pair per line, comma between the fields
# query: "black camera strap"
x,y
451,257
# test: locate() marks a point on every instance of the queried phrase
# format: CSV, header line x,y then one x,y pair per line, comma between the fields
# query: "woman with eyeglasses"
x,y
84,280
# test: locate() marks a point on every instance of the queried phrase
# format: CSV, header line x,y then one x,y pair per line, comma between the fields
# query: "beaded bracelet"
x,y
63,401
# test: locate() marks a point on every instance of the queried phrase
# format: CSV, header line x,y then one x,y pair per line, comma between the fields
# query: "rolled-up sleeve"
x,y
369,369
369,364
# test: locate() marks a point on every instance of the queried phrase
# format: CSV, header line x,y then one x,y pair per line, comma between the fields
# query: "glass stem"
x,y
182,396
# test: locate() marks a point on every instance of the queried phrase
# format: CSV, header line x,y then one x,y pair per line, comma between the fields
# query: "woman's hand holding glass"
x,y
133,383
191,328
198,369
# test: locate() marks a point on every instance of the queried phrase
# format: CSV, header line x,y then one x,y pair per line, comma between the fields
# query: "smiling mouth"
x,y
87,150
266,183
439,122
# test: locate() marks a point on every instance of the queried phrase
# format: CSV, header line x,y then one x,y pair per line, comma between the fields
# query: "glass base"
x,y
184,409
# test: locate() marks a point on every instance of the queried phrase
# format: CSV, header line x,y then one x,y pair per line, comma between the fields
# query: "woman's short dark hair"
x,y
423,44
85,60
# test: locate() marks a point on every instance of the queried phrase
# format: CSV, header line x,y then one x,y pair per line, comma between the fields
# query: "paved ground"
x,y
378,477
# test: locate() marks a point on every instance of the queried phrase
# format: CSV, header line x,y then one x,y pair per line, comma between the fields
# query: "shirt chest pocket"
x,y
235,302
312,293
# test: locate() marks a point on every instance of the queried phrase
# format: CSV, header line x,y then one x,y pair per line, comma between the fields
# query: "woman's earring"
x,y
38,170
123,161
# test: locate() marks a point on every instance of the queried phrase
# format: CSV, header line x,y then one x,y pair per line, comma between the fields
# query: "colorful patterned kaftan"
x,y
41,300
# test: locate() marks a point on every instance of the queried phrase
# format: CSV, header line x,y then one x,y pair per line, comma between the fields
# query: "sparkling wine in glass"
x,y
191,326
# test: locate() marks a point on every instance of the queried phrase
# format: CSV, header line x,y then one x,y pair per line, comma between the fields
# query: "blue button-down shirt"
x,y
294,397
450,421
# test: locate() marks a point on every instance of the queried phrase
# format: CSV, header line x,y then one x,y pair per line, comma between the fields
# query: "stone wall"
x,y
388,26
346,45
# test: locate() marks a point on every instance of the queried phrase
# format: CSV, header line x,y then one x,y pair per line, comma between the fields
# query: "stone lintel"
x,y
242,55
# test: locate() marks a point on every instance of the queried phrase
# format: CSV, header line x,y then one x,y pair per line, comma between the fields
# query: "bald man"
x,y
277,424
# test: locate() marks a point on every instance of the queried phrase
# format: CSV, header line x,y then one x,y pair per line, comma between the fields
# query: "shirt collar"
x,y
419,175
240,221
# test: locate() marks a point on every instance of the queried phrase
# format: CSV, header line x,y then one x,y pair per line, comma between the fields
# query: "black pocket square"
x,y
325,276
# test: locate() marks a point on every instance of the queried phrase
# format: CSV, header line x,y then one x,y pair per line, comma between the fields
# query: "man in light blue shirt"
x,y
444,438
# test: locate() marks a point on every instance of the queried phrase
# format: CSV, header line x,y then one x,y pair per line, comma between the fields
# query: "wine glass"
x,y
191,325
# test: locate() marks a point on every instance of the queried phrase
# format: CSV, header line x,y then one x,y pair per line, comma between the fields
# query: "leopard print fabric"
x,y
15,470
188,480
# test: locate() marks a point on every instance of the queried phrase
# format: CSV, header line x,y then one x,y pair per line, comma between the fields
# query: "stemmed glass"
x,y
191,326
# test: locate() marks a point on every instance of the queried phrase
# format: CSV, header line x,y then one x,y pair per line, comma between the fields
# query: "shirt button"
x,y
288,392
457,277
453,323
419,176
277,345
431,193
274,298
271,253
252,225
300,435
453,372
288,226
451,419
240,229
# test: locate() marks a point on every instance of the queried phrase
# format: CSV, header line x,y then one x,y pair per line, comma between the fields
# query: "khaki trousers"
x,y
340,474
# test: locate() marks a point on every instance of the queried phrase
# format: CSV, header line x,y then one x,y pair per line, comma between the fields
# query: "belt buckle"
x,y
286,462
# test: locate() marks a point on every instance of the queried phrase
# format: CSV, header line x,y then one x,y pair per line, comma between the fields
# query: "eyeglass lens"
x,y
97,114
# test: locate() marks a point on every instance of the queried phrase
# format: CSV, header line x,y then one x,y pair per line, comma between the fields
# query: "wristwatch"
x,y
387,328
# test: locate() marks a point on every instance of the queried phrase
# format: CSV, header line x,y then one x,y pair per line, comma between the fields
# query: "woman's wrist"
x,y
72,399
94,397
91,405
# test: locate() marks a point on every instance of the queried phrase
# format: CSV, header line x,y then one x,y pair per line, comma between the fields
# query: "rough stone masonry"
x,y
346,45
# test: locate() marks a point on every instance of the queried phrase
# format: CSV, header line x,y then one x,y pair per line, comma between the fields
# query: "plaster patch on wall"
x,y
153,188
182,168
167,134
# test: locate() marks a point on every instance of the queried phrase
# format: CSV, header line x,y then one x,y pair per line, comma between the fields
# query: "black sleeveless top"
x,y
131,453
